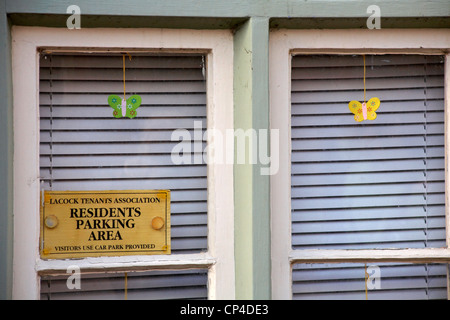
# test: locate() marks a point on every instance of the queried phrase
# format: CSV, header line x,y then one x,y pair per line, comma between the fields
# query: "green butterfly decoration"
x,y
124,108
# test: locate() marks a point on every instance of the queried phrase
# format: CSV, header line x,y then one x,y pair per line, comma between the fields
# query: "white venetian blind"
x,y
149,285
392,281
83,147
373,184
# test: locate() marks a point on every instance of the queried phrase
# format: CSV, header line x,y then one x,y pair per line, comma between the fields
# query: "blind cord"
x,y
123,60
366,278
126,283
51,122
425,150
426,173
123,66
364,79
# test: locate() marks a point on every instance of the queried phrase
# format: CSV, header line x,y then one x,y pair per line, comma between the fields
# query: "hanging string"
x,y
126,283
364,60
124,77
123,60
366,278
51,121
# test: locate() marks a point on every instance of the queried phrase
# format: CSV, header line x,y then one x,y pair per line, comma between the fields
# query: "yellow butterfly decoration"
x,y
364,111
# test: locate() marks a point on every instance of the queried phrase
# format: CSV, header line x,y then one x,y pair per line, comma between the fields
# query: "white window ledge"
x,y
127,263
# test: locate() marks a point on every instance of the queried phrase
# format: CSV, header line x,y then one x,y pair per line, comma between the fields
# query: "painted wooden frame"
x,y
285,43
218,46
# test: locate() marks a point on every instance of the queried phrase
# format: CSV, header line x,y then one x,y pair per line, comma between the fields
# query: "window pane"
x,y
376,183
392,281
83,147
152,285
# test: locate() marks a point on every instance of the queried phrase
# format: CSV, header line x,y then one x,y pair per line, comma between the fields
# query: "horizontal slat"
x,y
367,154
380,239
188,207
384,167
369,142
116,87
187,293
385,96
106,112
115,61
374,129
351,271
396,107
368,213
189,231
366,201
376,83
321,227
367,173
419,283
108,74
101,99
189,245
118,173
127,184
417,294
348,119
375,72
121,124
325,61
188,219
368,189
119,160
119,148
109,136
410,244
370,174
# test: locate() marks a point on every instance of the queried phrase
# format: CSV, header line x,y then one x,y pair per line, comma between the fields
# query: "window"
x,y
83,147
372,184
370,192
186,77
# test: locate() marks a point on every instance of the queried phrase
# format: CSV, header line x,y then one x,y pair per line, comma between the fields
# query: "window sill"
x,y
102,264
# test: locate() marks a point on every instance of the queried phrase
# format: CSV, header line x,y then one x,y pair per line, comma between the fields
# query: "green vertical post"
x,y
252,198
6,158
